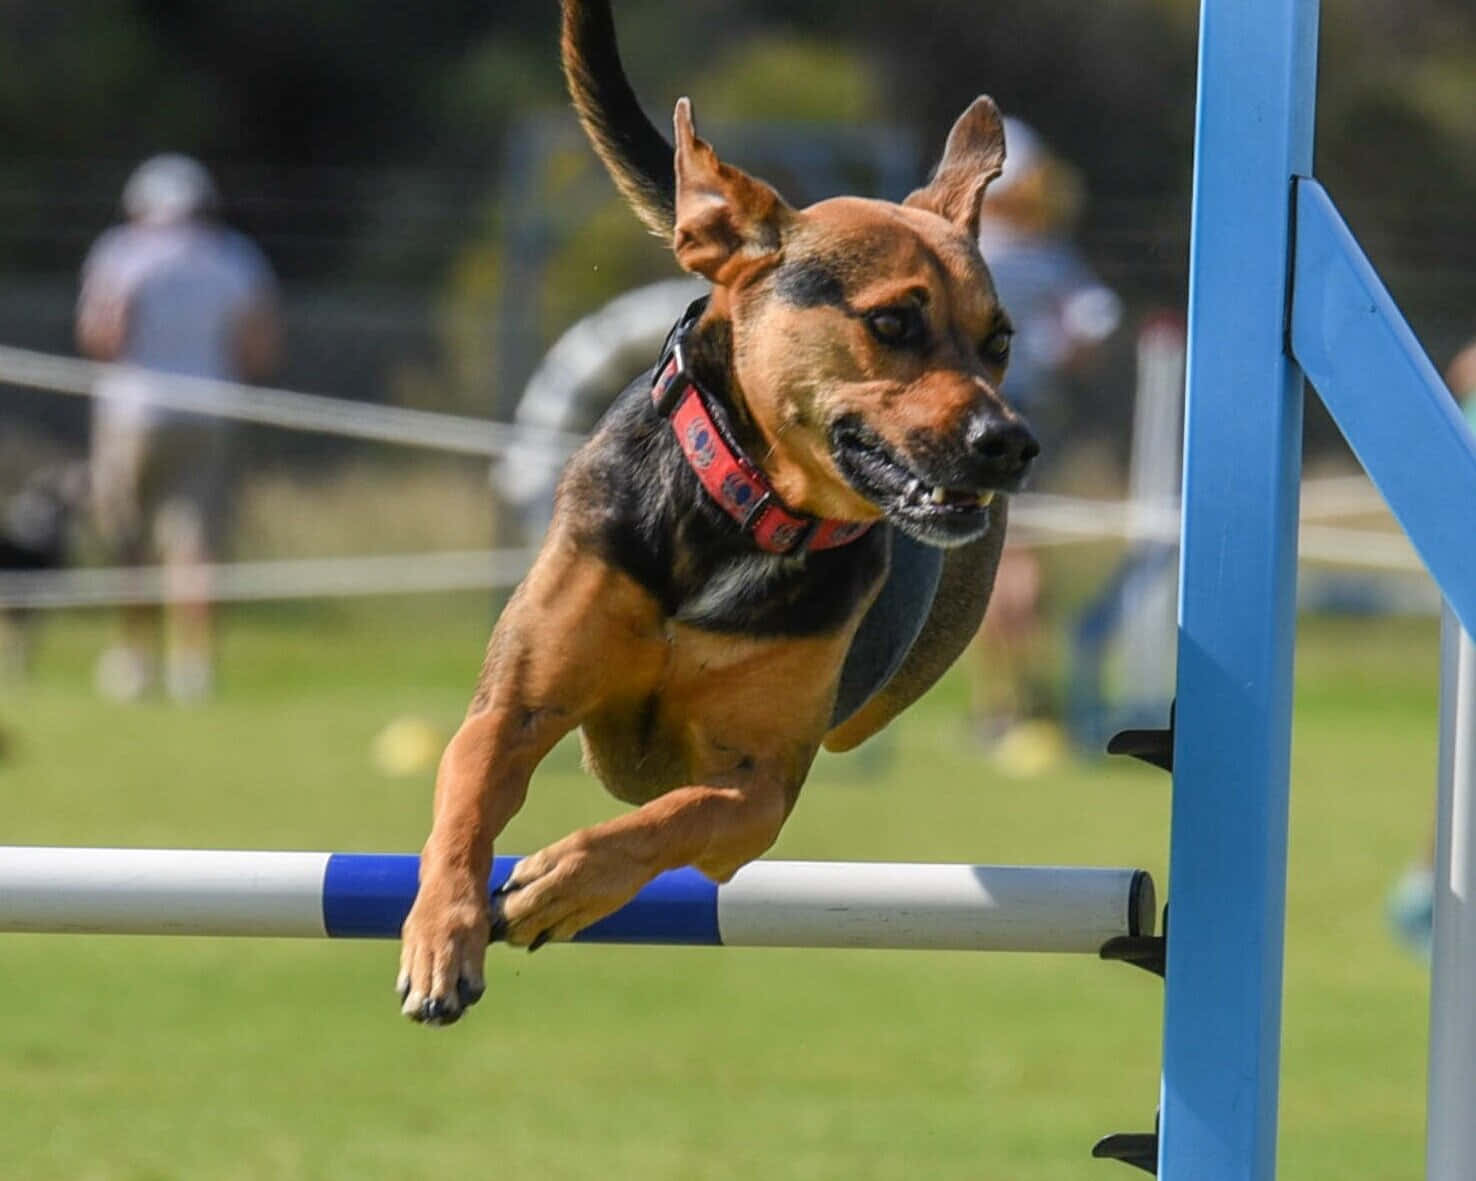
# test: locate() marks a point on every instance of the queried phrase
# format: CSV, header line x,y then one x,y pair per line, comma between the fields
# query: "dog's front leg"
x,y
480,785
575,632
574,882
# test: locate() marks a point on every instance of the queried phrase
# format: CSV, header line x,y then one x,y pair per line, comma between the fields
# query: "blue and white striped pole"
x,y
767,904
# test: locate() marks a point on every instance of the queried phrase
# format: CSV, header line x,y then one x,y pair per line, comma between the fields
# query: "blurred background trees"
x,y
393,160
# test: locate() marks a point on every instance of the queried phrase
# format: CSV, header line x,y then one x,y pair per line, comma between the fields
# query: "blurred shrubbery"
x,y
369,145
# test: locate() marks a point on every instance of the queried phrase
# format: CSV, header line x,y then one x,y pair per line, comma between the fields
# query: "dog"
x,y
777,541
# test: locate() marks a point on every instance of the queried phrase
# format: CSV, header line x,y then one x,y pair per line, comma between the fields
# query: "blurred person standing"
x,y
1461,377
170,291
1062,314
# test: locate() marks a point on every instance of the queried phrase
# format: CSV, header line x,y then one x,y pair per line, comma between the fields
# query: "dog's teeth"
x,y
940,495
986,499
914,488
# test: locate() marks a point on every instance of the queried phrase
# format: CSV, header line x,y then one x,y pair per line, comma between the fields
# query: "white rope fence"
x,y
290,578
1327,497
282,408
1037,520
1065,520
1045,519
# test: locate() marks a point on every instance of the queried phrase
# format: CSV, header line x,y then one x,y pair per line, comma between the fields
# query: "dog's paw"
x,y
443,946
562,889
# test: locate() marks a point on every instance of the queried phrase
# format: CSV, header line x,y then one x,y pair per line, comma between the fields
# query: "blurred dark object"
x,y
37,524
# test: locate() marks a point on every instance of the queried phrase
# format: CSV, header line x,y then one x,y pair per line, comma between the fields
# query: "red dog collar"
x,y
731,478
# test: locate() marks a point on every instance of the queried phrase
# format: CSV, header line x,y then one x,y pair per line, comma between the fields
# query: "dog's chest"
x,y
721,702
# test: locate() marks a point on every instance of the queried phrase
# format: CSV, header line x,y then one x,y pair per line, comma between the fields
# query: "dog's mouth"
x,y
940,514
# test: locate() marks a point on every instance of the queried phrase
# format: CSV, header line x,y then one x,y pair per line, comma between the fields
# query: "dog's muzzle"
x,y
941,489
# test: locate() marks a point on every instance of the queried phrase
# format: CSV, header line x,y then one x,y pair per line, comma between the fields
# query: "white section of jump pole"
x,y
1451,1110
161,892
938,907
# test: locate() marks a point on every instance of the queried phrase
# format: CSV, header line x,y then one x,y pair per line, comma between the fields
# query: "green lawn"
x,y
133,1058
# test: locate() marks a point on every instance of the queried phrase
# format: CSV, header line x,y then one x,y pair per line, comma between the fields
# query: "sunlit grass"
x,y
135,1058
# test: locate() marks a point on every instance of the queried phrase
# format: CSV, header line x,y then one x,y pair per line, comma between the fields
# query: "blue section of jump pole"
x,y
1243,430
367,896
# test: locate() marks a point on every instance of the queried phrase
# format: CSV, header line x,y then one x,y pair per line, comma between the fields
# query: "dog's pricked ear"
x,y
973,156
726,220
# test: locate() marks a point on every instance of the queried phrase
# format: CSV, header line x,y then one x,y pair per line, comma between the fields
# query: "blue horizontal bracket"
x,y
1387,398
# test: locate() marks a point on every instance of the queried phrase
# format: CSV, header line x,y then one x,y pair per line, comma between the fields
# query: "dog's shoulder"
x,y
616,494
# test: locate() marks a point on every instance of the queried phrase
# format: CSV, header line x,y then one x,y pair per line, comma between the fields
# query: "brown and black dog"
x,y
709,634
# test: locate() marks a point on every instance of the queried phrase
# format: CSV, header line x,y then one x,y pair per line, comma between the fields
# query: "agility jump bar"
x,y
766,904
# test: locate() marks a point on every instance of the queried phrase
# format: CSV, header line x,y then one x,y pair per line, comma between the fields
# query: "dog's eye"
x,y
897,327
996,350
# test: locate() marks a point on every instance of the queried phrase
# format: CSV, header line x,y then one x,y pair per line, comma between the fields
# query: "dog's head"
x,y
868,342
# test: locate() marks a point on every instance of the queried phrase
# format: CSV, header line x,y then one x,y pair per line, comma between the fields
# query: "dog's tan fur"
x,y
709,733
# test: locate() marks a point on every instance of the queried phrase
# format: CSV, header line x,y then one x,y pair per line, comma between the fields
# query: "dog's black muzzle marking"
x,y
941,490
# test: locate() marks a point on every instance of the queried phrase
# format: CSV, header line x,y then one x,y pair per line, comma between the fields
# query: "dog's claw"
x,y
443,1010
539,941
434,1011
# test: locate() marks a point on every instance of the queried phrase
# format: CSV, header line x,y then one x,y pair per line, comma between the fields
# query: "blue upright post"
x,y
1222,1011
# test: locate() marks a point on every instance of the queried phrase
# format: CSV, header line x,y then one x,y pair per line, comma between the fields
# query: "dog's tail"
x,y
636,155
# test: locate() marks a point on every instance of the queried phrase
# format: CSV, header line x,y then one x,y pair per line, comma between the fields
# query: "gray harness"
x,y
892,624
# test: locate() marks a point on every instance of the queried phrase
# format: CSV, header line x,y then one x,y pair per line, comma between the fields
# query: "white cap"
x,y
169,188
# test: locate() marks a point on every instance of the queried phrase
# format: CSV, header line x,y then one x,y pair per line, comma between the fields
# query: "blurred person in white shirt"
x,y
169,291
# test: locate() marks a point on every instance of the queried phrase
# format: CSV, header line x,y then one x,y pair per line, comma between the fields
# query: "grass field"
x,y
146,1059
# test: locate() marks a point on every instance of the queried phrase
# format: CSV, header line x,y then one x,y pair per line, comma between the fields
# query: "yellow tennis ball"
x,y
407,746
1030,749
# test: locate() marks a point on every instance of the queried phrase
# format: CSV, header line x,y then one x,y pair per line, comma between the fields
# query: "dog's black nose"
x,y
1004,448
